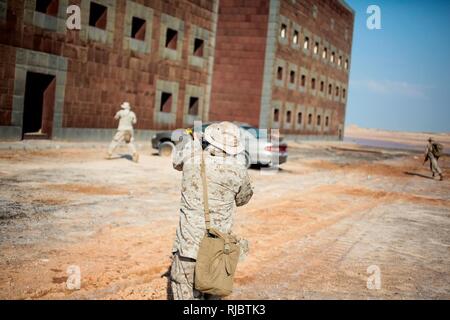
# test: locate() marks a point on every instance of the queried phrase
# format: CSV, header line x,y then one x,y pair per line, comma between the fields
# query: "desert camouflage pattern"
x,y
126,119
228,186
182,279
119,138
434,166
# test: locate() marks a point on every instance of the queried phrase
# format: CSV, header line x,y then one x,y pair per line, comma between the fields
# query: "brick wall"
x,y
244,62
239,60
235,77
7,62
105,67
330,24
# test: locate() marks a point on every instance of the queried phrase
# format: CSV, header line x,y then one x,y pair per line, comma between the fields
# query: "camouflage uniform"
x,y
434,166
126,120
228,186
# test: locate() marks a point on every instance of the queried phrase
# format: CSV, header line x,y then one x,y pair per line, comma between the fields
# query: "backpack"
x,y
437,149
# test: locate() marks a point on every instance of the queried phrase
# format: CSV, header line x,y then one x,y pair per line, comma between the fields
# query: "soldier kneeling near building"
x,y
125,132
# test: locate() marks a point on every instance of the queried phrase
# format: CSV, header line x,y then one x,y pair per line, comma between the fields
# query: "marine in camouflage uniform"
x,y
228,186
429,155
127,119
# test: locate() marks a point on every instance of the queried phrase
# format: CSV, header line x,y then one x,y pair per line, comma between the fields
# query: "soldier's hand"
x,y
185,138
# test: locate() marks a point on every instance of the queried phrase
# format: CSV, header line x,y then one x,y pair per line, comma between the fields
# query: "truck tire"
x,y
248,161
165,148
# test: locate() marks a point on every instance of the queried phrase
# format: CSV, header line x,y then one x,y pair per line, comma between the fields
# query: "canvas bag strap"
x,y
205,192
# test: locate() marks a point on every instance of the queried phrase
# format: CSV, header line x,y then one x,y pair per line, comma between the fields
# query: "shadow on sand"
x,y
122,156
418,174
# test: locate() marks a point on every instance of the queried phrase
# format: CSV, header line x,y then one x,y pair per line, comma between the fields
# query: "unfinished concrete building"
x,y
163,57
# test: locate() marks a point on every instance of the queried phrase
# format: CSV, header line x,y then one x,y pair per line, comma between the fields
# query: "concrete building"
x,y
163,57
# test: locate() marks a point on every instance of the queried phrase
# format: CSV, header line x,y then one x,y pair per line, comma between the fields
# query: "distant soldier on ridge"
x,y
432,152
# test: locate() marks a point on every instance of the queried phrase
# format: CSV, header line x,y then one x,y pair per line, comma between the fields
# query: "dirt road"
x,y
314,228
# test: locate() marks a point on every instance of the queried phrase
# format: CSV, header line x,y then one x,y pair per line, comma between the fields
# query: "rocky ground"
x,y
314,228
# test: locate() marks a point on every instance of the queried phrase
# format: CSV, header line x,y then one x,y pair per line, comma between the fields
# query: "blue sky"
x,y
400,75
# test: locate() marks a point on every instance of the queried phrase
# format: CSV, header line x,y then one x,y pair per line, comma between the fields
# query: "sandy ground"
x,y
314,227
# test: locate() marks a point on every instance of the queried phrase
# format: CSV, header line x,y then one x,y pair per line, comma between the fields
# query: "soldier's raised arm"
x,y
245,191
134,118
117,116
177,156
427,149
184,150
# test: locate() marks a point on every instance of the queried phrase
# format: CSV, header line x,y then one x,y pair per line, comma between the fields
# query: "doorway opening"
x,y
38,106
